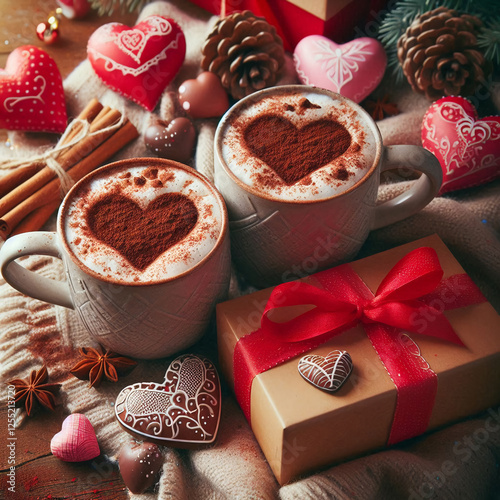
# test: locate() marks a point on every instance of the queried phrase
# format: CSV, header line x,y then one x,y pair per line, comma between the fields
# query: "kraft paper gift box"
x,y
295,19
301,428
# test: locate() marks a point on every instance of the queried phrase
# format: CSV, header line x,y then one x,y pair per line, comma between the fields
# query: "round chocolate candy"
x,y
174,140
139,465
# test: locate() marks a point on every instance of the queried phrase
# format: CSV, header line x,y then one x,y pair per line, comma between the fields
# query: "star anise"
x,y
97,363
33,390
381,108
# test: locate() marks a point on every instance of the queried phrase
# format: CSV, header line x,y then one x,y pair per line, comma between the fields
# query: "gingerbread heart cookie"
x,y
182,412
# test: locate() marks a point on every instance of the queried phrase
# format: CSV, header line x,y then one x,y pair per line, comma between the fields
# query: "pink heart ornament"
x,y
31,92
467,148
138,62
76,441
353,69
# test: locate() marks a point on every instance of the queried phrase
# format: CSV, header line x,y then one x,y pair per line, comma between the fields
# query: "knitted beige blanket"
x,y
460,461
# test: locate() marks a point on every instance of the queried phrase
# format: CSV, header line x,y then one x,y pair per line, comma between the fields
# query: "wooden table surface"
x,y
39,475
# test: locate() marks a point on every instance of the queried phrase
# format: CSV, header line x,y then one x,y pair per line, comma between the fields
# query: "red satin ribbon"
x,y
412,297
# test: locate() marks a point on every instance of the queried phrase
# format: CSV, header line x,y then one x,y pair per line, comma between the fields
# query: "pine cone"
x,y
439,53
245,52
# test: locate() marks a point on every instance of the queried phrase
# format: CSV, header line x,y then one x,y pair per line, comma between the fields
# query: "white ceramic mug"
x,y
275,240
150,319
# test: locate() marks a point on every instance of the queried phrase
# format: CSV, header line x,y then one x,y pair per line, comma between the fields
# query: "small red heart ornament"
x,y
353,69
31,92
138,62
183,412
468,148
76,441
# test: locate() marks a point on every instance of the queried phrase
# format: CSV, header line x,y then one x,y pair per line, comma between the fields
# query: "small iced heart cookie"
x,y
138,62
326,372
76,442
353,69
182,412
468,148
31,92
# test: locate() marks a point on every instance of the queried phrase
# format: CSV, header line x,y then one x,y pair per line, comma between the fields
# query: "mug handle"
x,y
420,194
29,282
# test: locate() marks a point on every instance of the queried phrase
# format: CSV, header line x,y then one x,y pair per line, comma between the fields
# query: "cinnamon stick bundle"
x,y
31,193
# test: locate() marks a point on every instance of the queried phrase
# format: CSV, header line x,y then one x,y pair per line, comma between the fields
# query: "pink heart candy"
x,y
76,441
353,69
467,148
138,62
31,92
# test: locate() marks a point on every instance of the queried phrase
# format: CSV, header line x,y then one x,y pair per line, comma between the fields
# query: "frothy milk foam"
x,y
154,181
324,182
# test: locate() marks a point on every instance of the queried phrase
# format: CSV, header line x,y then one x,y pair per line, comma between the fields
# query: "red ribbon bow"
x,y
412,297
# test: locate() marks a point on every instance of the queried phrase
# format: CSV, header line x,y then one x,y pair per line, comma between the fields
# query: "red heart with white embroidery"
x,y
31,92
467,148
138,62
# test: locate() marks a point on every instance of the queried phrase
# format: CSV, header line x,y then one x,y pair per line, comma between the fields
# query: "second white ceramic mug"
x,y
274,241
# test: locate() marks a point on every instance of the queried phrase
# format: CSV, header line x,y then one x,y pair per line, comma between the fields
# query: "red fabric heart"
x,y
138,62
31,92
467,148
183,411
141,236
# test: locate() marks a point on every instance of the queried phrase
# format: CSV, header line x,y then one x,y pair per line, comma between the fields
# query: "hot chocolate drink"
x,y
297,145
142,224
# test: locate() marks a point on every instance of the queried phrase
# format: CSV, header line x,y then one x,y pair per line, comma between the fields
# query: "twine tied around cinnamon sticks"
x,y
31,191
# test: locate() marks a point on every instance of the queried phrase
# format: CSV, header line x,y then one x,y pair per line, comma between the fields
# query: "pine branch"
x,y
489,40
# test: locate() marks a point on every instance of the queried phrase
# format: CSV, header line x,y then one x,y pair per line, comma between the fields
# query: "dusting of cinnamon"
x,y
295,153
151,173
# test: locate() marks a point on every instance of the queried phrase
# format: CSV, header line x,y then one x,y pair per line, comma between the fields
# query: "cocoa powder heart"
x,y
141,236
295,152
